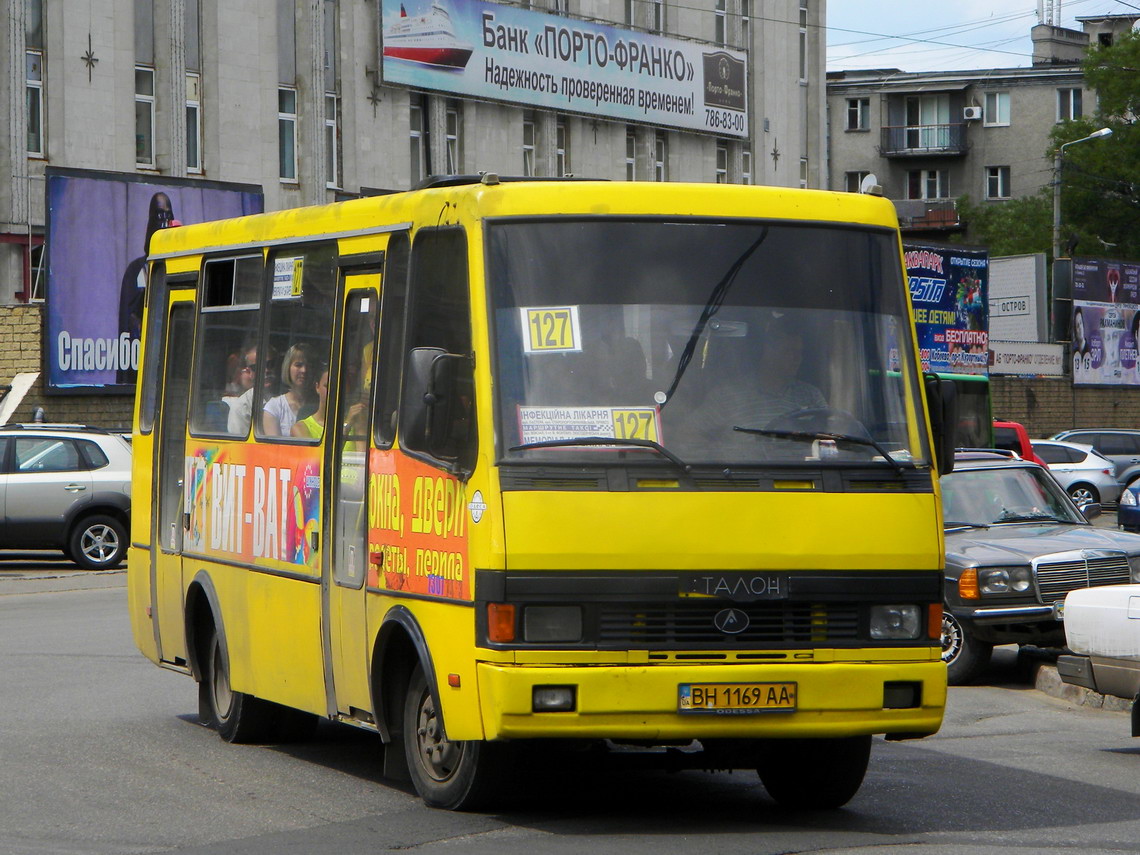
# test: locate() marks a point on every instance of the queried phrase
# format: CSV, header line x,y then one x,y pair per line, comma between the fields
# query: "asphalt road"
x,y
100,753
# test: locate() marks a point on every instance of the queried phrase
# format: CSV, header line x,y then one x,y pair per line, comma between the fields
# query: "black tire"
x,y
965,656
1083,494
814,773
97,542
446,774
238,717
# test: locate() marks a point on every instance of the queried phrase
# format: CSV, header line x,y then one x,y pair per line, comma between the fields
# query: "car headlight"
x,y
1004,580
1128,498
1134,566
895,622
552,623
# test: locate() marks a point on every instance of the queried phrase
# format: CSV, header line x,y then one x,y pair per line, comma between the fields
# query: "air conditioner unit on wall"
x,y
971,114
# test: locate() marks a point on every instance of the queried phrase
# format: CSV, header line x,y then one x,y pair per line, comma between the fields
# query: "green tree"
x,y
1100,179
1016,227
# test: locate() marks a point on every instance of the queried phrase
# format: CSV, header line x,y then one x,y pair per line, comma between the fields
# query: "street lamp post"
x,y
1103,132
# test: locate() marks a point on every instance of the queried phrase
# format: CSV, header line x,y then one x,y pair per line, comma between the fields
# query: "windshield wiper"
x,y
948,524
607,440
1010,516
712,306
838,437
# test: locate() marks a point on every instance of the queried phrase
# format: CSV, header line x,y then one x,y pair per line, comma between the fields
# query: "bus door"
x,y
168,479
346,563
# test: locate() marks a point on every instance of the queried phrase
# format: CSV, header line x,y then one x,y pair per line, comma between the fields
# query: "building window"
x,y
660,157
803,172
528,144
927,184
451,132
144,116
658,9
721,162
630,154
745,23
853,181
720,32
287,133
560,7
34,102
858,114
562,148
418,137
746,166
1069,104
997,182
332,139
803,41
997,108
193,123
629,12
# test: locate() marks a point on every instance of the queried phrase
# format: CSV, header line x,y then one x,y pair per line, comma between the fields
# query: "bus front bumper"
x,y
900,699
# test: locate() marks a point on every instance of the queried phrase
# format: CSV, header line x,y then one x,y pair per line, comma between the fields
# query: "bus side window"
x,y
440,317
393,320
227,344
298,338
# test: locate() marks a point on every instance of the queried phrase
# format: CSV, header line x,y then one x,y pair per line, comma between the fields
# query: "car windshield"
x,y
729,342
1011,494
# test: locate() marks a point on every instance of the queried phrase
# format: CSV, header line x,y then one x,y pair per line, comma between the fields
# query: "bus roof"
x,y
474,199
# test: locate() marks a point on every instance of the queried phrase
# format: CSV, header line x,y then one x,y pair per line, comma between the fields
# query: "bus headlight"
x,y
552,623
1004,580
895,622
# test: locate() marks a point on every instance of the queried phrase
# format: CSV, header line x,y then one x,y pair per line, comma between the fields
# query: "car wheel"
x,y
447,774
814,773
237,717
1083,494
98,542
964,655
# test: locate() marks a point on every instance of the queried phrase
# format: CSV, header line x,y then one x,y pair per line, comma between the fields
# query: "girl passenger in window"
x,y
298,374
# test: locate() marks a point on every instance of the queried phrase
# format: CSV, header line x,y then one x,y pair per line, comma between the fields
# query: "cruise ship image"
x,y
428,39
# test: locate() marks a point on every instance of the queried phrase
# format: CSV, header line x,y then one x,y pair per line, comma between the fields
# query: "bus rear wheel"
x,y
814,773
447,774
237,717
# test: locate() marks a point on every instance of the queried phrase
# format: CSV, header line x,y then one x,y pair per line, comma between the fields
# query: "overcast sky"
x,y
945,35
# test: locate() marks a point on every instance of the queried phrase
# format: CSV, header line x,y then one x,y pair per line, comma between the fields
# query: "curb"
x,y
1047,680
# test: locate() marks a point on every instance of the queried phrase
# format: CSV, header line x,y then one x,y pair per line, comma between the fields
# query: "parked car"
x,y
1120,445
1085,475
1015,546
65,487
1102,627
1012,436
1128,509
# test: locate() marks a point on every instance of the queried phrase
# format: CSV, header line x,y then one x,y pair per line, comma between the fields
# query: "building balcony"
x,y
923,215
923,140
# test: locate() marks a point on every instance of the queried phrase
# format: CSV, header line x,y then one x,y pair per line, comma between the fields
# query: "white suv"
x,y
66,487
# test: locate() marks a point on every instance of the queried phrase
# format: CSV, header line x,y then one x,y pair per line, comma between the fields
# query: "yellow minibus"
x,y
495,465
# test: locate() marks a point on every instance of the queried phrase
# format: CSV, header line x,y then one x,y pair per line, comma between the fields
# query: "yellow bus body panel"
x,y
721,531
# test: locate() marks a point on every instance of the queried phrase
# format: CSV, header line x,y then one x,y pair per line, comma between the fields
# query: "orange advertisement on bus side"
x,y
254,503
417,528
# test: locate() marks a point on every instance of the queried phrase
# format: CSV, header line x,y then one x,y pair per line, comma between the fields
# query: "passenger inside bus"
x,y
242,407
297,376
313,426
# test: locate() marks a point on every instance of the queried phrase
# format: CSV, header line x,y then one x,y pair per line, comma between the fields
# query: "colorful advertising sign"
x,y
255,504
949,294
1106,322
492,51
417,528
99,226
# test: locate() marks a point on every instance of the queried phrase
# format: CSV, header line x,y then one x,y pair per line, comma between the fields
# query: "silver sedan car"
x,y
1085,475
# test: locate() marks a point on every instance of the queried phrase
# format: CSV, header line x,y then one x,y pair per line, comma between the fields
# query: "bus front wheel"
x,y
814,773
237,717
447,774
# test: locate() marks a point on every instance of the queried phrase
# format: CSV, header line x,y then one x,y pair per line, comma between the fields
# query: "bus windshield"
x,y
726,343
